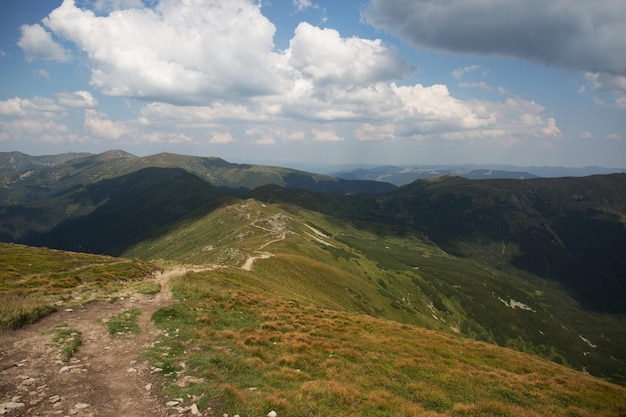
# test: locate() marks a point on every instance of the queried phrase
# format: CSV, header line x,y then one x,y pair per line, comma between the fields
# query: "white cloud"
x,y
164,137
302,5
432,109
550,128
265,141
98,124
221,137
586,135
614,136
460,72
37,43
34,127
155,114
367,132
37,107
324,57
325,135
211,66
191,52
79,98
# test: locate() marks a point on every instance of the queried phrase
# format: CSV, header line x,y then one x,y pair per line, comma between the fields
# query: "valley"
x,y
446,296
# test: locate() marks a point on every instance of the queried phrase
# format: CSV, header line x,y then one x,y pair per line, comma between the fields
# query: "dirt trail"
x,y
106,377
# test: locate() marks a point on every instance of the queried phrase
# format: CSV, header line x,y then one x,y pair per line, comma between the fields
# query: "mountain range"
x,y
532,264
402,175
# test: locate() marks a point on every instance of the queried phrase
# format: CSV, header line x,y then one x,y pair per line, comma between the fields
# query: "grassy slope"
x,y
236,341
327,263
35,281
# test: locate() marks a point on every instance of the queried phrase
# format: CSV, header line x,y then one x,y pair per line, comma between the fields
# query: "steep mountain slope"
x,y
315,259
570,229
109,215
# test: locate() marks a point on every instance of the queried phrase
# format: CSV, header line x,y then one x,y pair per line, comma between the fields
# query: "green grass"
x,y
399,276
66,339
19,310
124,323
250,351
35,281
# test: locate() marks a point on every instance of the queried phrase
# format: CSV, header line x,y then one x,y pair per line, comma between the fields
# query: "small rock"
x,y
69,310
271,414
28,382
54,399
172,403
148,387
11,405
194,409
81,406
67,368
132,370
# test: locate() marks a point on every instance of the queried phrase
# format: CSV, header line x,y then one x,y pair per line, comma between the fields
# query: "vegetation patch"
x,y
66,339
35,281
124,323
17,311
248,351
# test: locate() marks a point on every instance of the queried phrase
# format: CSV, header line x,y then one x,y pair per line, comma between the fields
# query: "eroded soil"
x,y
105,377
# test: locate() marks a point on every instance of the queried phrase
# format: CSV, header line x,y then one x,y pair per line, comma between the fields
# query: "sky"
x,y
403,82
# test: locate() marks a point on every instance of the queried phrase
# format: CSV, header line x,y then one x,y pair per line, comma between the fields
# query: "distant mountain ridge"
x,y
402,175
26,179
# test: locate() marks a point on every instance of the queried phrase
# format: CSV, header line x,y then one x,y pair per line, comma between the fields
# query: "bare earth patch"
x,y
105,377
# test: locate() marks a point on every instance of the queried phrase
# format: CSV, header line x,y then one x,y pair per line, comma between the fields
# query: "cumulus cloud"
x,y
323,56
36,42
210,66
37,107
367,132
179,52
164,137
157,114
79,98
99,125
325,135
221,137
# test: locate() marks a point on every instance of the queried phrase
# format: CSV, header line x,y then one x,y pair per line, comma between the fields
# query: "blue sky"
x,y
522,82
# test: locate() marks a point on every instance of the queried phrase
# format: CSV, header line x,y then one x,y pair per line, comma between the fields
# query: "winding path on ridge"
x,y
106,377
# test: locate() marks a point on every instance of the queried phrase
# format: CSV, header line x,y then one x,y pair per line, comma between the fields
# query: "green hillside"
x,y
25,179
535,265
238,342
320,260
